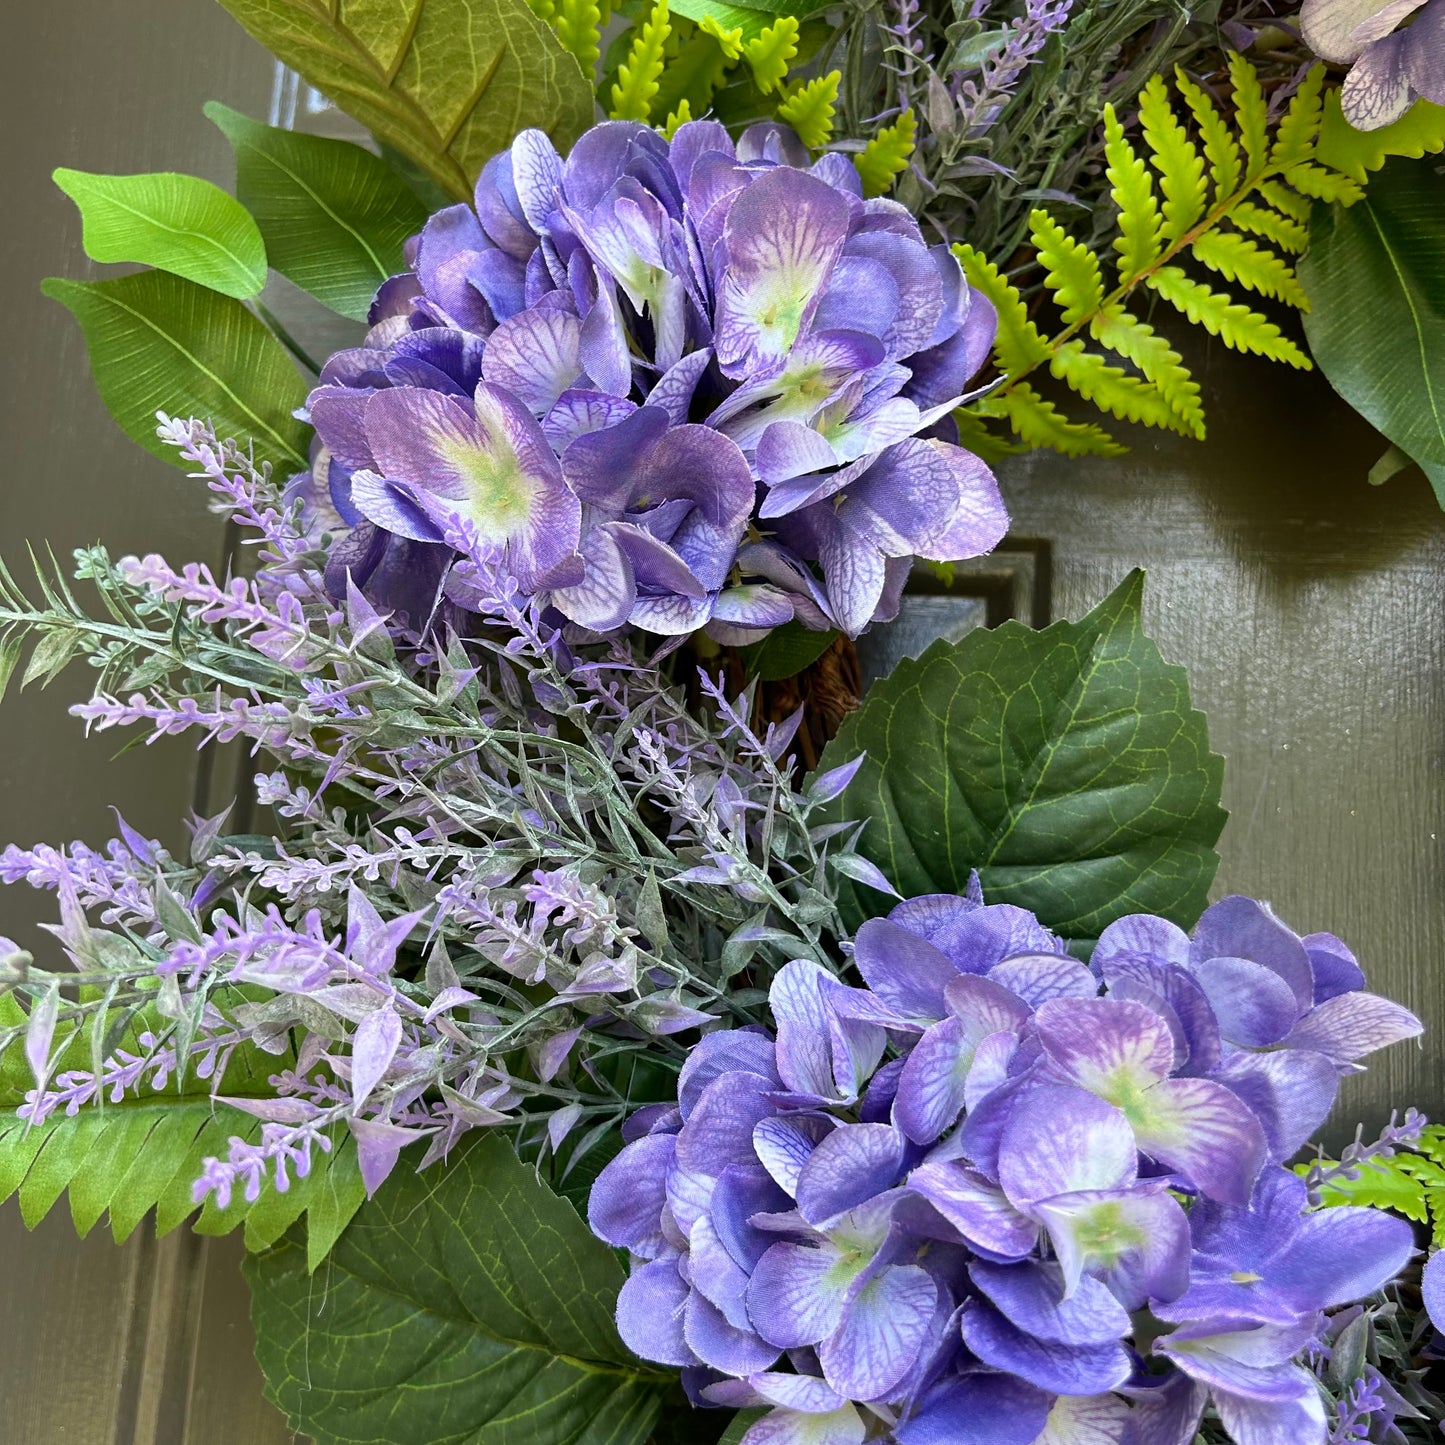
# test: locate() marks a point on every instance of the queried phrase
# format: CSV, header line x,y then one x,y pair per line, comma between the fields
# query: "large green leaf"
x,y
447,82
468,1304
1420,131
161,343
179,223
145,1151
334,216
1375,275
1067,766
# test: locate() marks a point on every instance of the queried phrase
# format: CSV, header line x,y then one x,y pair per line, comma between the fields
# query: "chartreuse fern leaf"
x,y
1251,111
1235,200
579,27
887,154
676,118
1071,270
1410,1182
639,74
772,52
1019,347
1180,166
1226,164
123,1158
544,10
693,76
1139,239
809,107
1039,423
1235,325
729,41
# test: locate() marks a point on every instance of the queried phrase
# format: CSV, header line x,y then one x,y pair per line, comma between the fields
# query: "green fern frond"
x,y
1299,129
1180,166
579,28
544,10
887,154
1071,270
1411,1183
1251,111
809,107
1122,332
1226,164
123,1159
639,74
772,52
1237,258
975,436
1285,232
1018,347
1139,239
1112,389
694,76
1039,423
1324,185
1235,325
676,118
730,41
1283,199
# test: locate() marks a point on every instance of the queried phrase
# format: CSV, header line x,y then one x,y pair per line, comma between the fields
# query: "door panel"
x,y
1305,604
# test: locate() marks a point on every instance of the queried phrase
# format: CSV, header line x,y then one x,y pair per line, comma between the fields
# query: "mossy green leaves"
x,y
1375,274
448,83
176,223
334,216
159,342
1067,766
467,1304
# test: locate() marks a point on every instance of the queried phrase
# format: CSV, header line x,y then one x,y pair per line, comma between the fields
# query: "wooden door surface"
x,y
1306,605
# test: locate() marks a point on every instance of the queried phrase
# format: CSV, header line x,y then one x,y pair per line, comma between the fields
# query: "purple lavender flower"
x,y
959,1244
670,385
1390,67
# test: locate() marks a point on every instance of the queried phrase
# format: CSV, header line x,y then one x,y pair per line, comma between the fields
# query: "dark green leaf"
x,y
739,1426
449,83
334,216
1067,766
469,1304
178,223
1375,275
161,343
786,651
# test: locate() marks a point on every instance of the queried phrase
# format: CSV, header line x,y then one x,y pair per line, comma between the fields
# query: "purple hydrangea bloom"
x,y
668,385
1391,66
1059,1171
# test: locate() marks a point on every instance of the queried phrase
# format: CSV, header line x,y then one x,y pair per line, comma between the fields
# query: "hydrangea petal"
x,y
1062,1369
978,1409
1030,1295
580,411
717,1276
1351,1025
848,1167
978,1209
1086,1420
743,1190
1290,1092
625,1205
535,355
931,1087
718,1053
791,1427
1299,1420
1203,1131
1253,1004
1141,937
785,1143
884,1327
1238,927
720,1344
797,1293
604,598
1061,1139
908,973
719,1130
784,235
1111,1047
1038,977
650,1310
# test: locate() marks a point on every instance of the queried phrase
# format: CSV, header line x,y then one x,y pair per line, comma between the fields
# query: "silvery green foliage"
x,y
498,868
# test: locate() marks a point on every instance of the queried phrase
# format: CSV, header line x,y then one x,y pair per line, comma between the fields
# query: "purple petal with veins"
x,y
1108,1046
391,507
981,1409
784,235
535,355
1237,927
579,412
883,1330
797,1292
650,1312
1136,1240
784,1144
1142,937
847,1168
1253,1004
976,1208
1204,1132
1351,1025
1030,1295
626,1202
788,449
1299,1420
605,467
719,1343
1060,1139
604,598
719,1130
1038,977
919,288
1290,1091
536,174
1063,1369
715,1054
931,1088
675,387
743,1190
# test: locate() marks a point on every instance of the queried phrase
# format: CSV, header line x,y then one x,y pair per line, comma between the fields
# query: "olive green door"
x,y
1306,605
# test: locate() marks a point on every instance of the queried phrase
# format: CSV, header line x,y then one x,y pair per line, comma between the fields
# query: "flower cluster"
x,y
669,385
1057,1214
